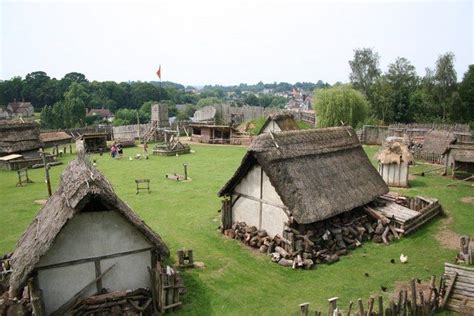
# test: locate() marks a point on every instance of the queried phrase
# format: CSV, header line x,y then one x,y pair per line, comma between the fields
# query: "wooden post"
x,y
332,305
138,124
304,309
361,307
413,297
185,165
46,171
70,149
380,305
350,308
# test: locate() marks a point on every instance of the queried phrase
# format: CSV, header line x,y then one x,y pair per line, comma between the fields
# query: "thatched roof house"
x,y
305,175
19,137
22,109
279,122
460,157
83,229
437,141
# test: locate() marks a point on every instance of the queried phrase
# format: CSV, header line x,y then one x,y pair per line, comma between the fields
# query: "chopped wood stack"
x,y
136,302
5,271
321,242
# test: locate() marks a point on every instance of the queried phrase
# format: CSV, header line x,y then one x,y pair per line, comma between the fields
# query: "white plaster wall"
x,y
273,220
269,193
250,184
394,174
60,284
94,234
129,272
245,210
271,127
269,217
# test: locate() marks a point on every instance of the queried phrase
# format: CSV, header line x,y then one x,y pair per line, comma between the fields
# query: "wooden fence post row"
x,y
407,304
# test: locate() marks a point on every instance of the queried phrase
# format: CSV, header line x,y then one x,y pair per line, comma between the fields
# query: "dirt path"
x,y
445,236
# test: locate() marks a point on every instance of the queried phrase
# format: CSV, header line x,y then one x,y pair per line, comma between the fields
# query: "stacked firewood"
x,y
136,302
322,242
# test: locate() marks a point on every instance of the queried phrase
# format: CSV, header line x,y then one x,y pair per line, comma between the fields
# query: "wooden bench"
x,y
142,184
23,177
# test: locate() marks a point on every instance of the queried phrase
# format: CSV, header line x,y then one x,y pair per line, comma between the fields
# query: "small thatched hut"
x,y
394,159
210,133
435,145
303,176
82,231
51,139
279,122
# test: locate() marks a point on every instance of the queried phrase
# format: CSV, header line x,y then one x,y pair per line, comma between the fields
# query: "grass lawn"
x,y
236,280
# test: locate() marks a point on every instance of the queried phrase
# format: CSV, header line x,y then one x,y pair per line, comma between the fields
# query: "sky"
x,y
227,42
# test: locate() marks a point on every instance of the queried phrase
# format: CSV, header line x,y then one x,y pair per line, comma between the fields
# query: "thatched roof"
x,y
317,173
438,141
394,151
80,184
19,137
285,121
54,136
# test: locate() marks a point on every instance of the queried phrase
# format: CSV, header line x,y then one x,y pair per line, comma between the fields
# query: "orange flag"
x,y
158,72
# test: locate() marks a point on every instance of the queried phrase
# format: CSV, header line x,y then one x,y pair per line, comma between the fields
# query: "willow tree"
x,y
340,105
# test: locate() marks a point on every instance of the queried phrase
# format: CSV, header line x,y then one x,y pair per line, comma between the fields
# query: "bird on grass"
x,y
383,288
366,274
392,260
403,259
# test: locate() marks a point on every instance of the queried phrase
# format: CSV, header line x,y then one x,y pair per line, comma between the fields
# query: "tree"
x,y
364,69
75,100
208,101
11,90
381,103
466,91
340,105
251,99
35,88
403,80
445,81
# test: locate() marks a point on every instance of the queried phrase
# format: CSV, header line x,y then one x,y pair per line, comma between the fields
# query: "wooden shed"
x,y
210,133
460,157
93,142
279,122
82,232
302,176
394,159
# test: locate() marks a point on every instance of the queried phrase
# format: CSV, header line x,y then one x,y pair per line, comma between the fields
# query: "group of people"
x,y
116,150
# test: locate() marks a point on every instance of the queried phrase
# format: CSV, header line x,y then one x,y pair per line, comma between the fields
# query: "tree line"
x,y
399,94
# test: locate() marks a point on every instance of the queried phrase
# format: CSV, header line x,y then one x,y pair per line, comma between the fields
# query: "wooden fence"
x,y
460,291
130,131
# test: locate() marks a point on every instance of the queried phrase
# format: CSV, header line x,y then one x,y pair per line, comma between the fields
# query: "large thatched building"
x,y
302,176
19,145
460,157
279,122
394,159
83,230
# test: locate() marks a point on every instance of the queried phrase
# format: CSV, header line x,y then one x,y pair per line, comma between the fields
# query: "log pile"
x,y
304,246
5,271
136,302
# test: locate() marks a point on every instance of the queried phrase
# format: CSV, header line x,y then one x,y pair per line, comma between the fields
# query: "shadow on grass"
x,y
196,301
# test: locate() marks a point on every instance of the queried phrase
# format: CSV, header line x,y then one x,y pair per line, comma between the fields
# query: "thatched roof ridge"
x,y
462,152
80,182
18,137
285,120
438,141
317,173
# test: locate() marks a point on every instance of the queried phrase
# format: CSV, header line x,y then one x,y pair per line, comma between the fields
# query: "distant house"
x,y
104,114
279,122
20,109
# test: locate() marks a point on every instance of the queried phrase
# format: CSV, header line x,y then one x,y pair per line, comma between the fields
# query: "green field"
x,y
237,280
